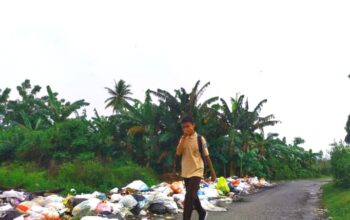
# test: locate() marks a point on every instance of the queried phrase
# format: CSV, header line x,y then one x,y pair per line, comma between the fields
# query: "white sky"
x,y
294,53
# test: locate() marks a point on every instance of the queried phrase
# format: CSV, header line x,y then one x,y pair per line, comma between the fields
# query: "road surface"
x,y
298,199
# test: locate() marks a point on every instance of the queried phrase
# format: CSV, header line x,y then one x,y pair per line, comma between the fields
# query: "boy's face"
x,y
188,128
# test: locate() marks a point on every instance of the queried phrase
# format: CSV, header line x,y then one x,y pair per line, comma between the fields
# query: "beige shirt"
x,y
192,163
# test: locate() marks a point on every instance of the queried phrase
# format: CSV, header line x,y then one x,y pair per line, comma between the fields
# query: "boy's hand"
x,y
182,139
174,167
213,177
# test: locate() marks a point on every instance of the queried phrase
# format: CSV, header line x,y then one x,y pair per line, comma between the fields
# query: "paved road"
x,y
288,200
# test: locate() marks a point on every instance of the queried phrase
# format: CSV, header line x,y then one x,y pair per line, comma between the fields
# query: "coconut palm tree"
x,y
120,96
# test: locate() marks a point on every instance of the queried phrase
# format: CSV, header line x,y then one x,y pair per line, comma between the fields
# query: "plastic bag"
x,y
84,208
163,188
235,182
52,198
116,197
25,206
36,209
51,214
5,208
142,201
13,194
176,187
171,206
158,198
128,201
103,207
158,208
34,216
253,180
11,215
222,185
55,205
116,207
138,185
40,200
207,206
210,192
114,190
92,218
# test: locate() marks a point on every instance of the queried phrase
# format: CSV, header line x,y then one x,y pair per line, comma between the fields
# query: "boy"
x,y
192,167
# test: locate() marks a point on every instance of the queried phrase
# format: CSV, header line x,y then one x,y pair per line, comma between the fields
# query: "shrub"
x,y
340,161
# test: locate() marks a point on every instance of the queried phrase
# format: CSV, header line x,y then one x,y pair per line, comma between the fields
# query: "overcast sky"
x,y
294,53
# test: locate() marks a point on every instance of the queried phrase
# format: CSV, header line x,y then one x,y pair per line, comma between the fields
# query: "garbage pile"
x,y
135,199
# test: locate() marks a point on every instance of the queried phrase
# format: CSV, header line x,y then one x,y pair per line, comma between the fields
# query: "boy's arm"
x,y
207,158
212,171
180,146
179,150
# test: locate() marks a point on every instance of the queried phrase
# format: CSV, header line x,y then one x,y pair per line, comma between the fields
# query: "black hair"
x,y
187,119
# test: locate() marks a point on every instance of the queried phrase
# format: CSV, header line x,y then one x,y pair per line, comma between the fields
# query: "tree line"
x,y
48,131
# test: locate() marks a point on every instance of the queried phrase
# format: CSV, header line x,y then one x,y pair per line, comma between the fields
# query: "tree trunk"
x,y
224,165
232,168
241,168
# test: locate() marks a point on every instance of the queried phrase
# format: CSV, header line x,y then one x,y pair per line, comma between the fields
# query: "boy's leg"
x,y
188,205
191,198
197,202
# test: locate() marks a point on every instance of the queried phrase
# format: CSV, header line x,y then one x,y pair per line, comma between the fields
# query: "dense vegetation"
x,y
86,176
340,159
340,163
49,132
336,194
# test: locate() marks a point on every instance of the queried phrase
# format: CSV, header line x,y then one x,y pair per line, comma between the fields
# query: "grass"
x,y
20,177
337,201
85,177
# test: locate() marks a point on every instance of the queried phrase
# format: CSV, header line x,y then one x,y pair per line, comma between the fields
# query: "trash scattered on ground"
x,y
135,199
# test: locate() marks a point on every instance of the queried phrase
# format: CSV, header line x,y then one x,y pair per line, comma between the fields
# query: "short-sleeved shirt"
x,y
192,163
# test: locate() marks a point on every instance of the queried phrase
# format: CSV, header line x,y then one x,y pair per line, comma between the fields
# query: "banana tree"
x,y
173,107
185,103
4,95
58,110
241,122
24,111
144,121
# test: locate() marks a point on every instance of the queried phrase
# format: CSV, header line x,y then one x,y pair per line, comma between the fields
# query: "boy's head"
x,y
188,126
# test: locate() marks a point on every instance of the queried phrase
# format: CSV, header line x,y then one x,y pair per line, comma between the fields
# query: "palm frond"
x,y
259,106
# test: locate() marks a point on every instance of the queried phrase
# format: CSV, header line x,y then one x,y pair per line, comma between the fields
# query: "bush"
x,y
10,139
340,162
284,172
86,176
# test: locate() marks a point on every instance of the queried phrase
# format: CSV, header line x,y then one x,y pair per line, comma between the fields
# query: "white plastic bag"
x,y
13,194
138,185
85,207
207,206
171,206
114,190
128,201
116,197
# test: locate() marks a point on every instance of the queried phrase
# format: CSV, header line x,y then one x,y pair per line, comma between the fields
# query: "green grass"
x,y
85,177
337,201
19,177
